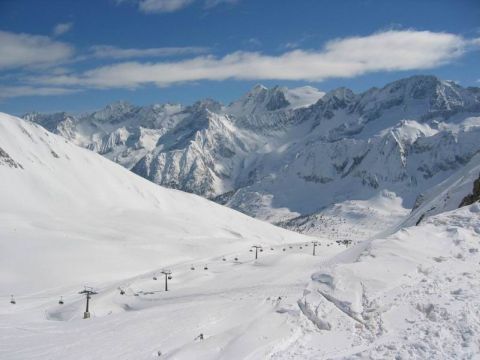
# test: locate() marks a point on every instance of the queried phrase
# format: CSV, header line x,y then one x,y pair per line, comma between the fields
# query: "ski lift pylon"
x,y
12,300
60,302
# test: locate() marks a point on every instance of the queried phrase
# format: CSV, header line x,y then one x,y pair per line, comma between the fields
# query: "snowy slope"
x,y
413,295
69,216
69,221
448,195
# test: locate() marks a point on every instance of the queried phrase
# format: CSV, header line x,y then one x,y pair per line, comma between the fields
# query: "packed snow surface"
x,y
69,218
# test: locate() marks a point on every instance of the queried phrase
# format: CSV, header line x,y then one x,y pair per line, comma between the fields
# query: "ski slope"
x,y
70,218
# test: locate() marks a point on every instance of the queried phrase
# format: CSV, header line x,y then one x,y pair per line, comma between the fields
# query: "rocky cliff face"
x,y
474,196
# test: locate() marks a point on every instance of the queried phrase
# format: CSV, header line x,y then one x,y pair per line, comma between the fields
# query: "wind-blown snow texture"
x,y
316,163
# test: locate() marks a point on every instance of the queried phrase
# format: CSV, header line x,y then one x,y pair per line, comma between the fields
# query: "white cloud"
x,y
169,6
342,58
291,45
162,6
62,28
213,3
21,50
18,91
107,51
475,42
297,43
253,42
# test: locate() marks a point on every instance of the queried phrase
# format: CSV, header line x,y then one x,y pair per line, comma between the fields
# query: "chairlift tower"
x,y
315,243
257,247
168,276
88,292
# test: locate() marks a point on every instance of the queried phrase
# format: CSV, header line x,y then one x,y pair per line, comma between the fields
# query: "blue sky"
x,y
81,55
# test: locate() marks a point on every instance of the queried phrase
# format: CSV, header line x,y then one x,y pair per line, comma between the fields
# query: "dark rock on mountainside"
x,y
474,196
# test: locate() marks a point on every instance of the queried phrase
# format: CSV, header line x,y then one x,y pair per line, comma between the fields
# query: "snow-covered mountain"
x,y
69,217
91,220
460,189
410,294
339,163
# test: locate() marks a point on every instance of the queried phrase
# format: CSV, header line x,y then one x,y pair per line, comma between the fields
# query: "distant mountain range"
x,y
341,164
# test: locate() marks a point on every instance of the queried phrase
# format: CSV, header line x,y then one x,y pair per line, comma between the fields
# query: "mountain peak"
x,y
338,98
50,122
437,94
340,93
114,110
205,104
414,82
258,88
119,105
260,99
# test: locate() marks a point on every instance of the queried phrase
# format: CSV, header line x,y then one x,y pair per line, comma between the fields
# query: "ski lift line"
x,y
42,296
222,258
179,265
141,277
74,297
26,297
